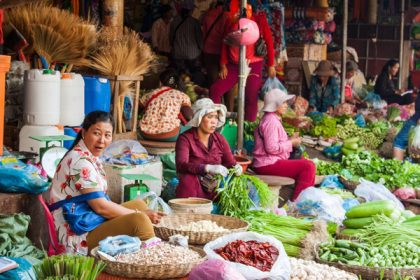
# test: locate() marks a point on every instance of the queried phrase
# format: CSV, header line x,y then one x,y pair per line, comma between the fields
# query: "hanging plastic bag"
x,y
215,269
415,142
281,268
271,83
316,202
371,191
155,203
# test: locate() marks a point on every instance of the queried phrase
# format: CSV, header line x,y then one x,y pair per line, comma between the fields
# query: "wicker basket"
x,y
164,271
168,224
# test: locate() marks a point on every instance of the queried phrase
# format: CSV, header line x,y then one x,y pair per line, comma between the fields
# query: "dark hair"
x,y
91,119
389,64
170,78
164,9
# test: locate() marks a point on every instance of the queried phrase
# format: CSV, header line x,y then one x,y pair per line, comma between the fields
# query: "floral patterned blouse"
x,y
161,114
78,170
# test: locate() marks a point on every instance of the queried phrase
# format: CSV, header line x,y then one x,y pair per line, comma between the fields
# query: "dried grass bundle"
x,y
32,21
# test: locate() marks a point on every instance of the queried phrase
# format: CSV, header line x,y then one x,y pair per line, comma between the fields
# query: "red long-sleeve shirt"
x,y
231,54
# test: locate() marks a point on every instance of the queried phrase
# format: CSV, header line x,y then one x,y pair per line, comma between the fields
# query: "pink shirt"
x,y
271,141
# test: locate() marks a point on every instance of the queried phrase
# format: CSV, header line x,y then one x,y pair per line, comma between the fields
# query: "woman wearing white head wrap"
x,y
202,152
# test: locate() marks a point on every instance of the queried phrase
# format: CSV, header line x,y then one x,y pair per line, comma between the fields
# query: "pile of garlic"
x,y
160,254
310,270
203,226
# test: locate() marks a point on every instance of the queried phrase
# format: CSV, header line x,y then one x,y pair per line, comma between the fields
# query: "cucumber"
x,y
357,223
370,209
352,140
349,231
351,146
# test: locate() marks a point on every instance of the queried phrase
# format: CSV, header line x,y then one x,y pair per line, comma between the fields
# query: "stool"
x,y
158,148
279,186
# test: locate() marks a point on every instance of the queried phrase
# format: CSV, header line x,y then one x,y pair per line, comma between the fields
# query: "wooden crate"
x,y
307,51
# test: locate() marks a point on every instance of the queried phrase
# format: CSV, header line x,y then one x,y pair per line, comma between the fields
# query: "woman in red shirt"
x,y
228,75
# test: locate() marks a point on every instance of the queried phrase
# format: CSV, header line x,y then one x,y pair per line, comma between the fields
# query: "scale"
x,y
50,155
133,191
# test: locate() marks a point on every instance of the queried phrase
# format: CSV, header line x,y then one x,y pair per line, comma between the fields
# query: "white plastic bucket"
x,y
41,97
27,144
72,108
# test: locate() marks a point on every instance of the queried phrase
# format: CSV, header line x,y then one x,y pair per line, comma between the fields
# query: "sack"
x,y
372,192
78,214
261,48
281,268
208,183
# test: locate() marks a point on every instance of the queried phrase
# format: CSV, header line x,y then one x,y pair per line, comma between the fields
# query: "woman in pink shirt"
x,y
273,147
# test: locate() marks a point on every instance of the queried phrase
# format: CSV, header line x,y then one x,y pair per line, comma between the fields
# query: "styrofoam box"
x,y
116,183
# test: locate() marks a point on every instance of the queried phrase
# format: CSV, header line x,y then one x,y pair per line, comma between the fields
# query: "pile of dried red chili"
x,y
261,255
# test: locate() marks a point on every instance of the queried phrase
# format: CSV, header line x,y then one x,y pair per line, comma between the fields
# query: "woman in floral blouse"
x,y
80,172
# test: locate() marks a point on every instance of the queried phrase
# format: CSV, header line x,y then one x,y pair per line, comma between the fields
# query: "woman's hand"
x,y
271,71
296,141
216,170
154,216
223,71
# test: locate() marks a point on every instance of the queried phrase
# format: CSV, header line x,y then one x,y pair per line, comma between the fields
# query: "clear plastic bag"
x,y
125,152
155,203
215,269
272,83
316,202
415,143
371,191
280,270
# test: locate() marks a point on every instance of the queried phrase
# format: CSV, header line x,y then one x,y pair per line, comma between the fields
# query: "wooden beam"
x,y
5,4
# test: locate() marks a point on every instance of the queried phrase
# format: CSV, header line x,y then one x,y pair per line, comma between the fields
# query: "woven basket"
x,y
168,224
164,271
372,272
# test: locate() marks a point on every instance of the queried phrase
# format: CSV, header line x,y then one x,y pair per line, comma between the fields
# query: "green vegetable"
x,y
412,219
408,214
352,140
349,231
351,146
369,209
357,223
393,113
347,152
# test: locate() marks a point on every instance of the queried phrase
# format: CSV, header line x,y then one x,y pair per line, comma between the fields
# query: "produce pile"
x,y
261,255
304,269
325,126
298,236
401,255
160,254
392,173
202,226
237,194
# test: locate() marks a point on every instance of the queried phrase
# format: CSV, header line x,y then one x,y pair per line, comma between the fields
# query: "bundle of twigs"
x,y
56,34
127,55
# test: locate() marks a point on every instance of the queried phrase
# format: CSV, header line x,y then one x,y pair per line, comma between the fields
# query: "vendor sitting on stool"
x,y
273,147
81,172
202,152
324,91
166,110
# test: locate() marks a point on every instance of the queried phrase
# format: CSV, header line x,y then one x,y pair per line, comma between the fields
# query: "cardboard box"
x,y
307,52
116,183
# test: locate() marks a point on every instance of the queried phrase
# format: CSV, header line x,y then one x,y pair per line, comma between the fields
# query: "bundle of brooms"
x,y
126,55
55,34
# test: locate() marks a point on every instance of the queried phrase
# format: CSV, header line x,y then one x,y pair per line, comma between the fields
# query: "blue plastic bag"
x,y
271,83
18,177
332,181
360,120
120,244
24,271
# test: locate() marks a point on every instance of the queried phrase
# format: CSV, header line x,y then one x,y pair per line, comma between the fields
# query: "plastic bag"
x,y
375,101
280,270
155,203
17,177
120,244
215,269
405,193
316,202
371,191
271,83
24,271
415,143
126,152
300,106
332,181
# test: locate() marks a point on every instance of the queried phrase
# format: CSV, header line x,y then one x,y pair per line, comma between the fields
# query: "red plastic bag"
x,y
215,269
405,193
